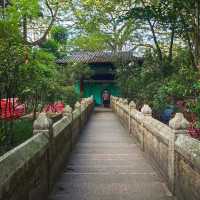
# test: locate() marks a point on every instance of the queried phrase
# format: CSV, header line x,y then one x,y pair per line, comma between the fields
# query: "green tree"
x,y
99,24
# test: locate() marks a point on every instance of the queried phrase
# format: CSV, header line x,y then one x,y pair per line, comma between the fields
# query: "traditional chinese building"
x,y
104,72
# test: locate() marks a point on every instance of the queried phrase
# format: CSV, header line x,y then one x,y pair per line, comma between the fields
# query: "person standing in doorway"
x,y
106,99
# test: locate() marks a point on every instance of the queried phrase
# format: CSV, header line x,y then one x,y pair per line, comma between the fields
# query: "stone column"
x,y
132,106
178,125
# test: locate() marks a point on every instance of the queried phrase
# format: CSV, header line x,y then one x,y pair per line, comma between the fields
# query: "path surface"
x,y
108,165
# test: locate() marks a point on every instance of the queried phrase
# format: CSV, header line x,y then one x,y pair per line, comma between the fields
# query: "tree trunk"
x,y
197,32
158,49
40,41
156,42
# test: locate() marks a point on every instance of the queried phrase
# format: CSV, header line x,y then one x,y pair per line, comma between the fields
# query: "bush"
x,y
13,133
148,83
69,95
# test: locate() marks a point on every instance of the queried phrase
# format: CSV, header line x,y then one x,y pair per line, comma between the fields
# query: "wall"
x,y
172,151
96,90
28,172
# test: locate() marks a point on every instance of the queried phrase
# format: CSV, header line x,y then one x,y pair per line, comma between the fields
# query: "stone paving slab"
x,y
108,165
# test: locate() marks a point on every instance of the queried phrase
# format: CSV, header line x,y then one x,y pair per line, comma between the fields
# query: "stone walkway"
x,y
108,165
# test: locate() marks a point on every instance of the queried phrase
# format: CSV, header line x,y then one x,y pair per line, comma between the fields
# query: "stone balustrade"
x,y
175,154
28,172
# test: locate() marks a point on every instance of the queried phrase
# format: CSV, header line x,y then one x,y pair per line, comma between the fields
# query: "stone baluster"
x,y
132,106
179,125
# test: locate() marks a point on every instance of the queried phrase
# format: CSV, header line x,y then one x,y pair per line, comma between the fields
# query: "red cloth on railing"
x,y
9,111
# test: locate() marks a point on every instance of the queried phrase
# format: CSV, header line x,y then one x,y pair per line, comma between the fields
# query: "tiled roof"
x,y
98,57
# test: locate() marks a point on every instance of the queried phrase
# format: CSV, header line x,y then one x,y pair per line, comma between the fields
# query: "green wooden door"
x,y
96,89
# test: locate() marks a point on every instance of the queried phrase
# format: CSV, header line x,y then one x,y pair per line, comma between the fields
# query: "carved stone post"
x,y
114,100
111,101
125,101
68,112
120,107
84,110
132,106
147,112
117,106
125,108
178,125
42,125
78,106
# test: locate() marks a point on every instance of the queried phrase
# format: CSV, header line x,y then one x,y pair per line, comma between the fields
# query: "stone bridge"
x,y
105,154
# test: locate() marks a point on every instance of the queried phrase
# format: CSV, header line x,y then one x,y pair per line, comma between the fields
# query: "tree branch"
x,y
49,7
142,45
53,18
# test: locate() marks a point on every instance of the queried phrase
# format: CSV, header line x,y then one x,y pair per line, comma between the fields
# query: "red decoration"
x,y
11,109
55,108
193,131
